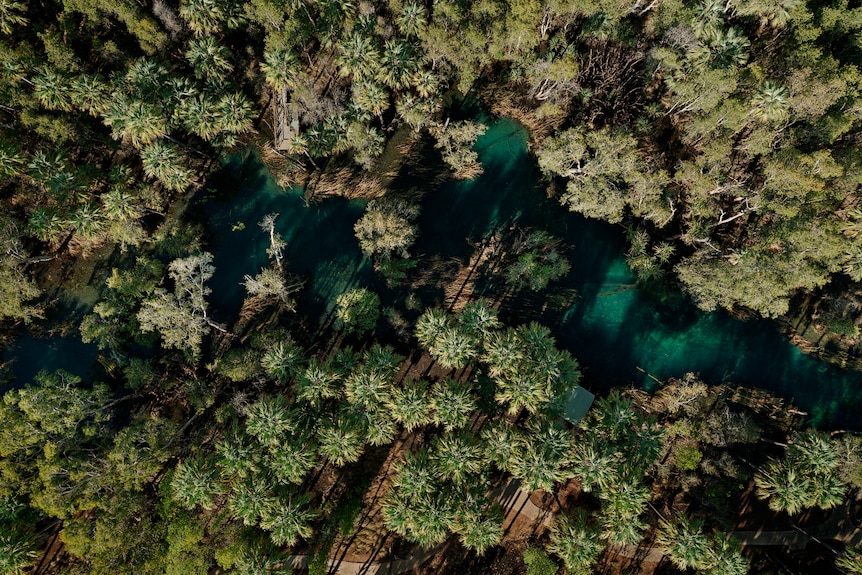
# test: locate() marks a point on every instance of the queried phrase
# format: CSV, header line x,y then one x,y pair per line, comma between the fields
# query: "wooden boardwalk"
x,y
286,124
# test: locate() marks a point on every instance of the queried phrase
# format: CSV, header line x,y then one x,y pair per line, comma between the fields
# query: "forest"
x,y
424,421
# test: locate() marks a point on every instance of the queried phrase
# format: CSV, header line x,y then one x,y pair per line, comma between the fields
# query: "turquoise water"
x,y
30,355
612,327
321,247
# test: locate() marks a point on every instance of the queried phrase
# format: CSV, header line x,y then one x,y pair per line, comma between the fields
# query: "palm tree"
x,y
368,388
249,500
45,224
341,442
52,90
769,103
165,162
431,325
291,460
593,468
726,556
236,113
427,85
454,347
380,429
370,97
541,460
201,114
684,542
270,419
119,205
622,505
415,478
204,17
11,160
398,64
431,520
138,122
398,514
358,56
236,457
479,318
283,361
280,67
11,15
90,93
411,405
479,533
503,352
500,442
850,561
146,79
813,452
456,457
576,543
317,383
18,551
411,21
87,220
209,58
287,520
784,488
195,482
453,404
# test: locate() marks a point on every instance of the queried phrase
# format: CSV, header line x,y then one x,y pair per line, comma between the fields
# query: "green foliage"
x,y
808,476
684,542
576,543
180,316
357,310
455,141
538,562
687,457
386,228
850,561
538,263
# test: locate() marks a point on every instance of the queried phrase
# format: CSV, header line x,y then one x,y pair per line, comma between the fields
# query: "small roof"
x,y
576,403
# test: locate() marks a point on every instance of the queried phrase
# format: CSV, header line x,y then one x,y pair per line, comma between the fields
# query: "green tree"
x,y
209,59
808,476
180,317
287,520
453,404
357,310
576,543
456,457
538,562
850,561
386,228
341,441
12,15
411,405
195,483
684,542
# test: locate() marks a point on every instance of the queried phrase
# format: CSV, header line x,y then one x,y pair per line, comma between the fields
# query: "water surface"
x,y
617,332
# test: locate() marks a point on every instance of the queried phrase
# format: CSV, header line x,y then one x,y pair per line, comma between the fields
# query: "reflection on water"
x,y
618,333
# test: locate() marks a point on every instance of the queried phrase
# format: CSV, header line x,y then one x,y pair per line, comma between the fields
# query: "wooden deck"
x,y
286,123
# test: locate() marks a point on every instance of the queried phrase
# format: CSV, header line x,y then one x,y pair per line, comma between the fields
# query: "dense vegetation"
x,y
723,135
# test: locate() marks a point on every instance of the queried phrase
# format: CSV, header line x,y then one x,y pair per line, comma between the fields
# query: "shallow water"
x,y
612,328
321,246
30,355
